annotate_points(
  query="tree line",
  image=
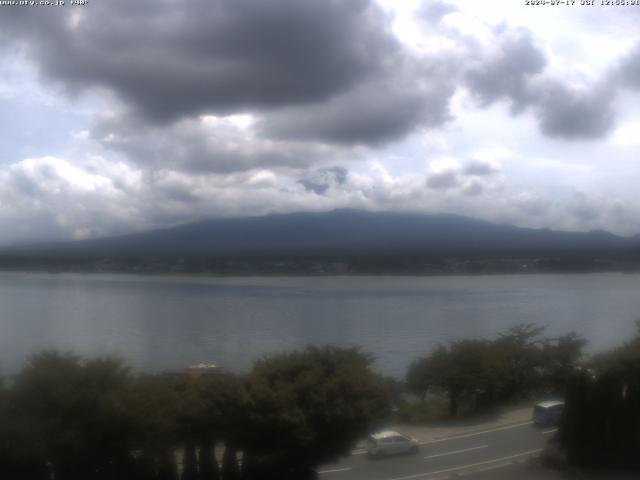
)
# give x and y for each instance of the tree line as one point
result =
(64, 417)
(483, 373)
(67, 418)
(600, 425)
(601, 422)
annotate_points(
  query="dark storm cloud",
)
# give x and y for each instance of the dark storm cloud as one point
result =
(172, 58)
(329, 71)
(473, 188)
(203, 145)
(357, 118)
(514, 72)
(506, 72)
(573, 113)
(630, 68)
(531, 205)
(442, 180)
(480, 168)
(582, 208)
(378, 111)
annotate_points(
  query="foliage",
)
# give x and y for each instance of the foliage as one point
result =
(230, 468)
(72, 418)
(422, 374)
(522, 357)
(68, 418)
(434, 407)
(601, 423)
(560, 356)
(624, 355)
(485, 372)
(208, 467)
(307, 408)
(465, 367)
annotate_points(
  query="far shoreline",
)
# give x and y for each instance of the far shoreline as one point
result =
(169, 275)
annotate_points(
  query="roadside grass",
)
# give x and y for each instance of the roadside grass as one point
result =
(423, 411)
(435, 408)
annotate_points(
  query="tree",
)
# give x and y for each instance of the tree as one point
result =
(488, 371)
(308, 408)
(601, 422)
(465, 367)
(560, 357)
(576, 427)
(619, 357)
(73, 414)
(230, 469)
(189, 462)
(175, 412)
(220, 416)
(192, 426)
(522, 357)
(207, 463)
(21, 455)
(154, 405)
(423, 373)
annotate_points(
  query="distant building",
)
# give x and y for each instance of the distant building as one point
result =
(194, 372)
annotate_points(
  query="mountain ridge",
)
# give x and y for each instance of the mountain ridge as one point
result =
(340, 234)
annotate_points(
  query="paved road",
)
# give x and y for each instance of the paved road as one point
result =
(483, 451)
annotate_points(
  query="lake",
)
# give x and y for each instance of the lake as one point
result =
(156, 322)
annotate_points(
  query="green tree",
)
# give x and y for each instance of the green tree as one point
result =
(623, 356)
(423, 373)
(308, 408)
(72, 412)
(520, 348)
(218, 414)
(154, 405)
(230, 469)
(207, 463)
(601, 422)
(560, 357)
(189, 461)
(576, 430)
(464, 368)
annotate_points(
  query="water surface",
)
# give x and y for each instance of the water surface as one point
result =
(165, 322)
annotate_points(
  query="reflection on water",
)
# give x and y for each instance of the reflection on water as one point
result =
(163, 322)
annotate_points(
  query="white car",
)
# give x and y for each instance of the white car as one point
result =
(390, 443)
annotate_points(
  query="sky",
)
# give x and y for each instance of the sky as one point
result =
(120, 116)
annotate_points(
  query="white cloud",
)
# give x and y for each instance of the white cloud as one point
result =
(404, 131)
(627, 135)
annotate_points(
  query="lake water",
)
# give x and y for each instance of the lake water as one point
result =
(165, 322)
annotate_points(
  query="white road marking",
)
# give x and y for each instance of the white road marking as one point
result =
(547, 432)
(334, 470)
(455, 451)
(362, 451)
(474, 434)
(493, 466)
(471, 465)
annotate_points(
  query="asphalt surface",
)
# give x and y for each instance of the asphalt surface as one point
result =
(487, 453)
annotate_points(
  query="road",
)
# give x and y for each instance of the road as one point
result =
(482, 451)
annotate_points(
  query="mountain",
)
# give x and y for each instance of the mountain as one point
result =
(338, 235)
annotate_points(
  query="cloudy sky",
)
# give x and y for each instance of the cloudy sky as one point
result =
(122, 116)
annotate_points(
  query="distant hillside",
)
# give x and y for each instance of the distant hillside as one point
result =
(336, 235)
